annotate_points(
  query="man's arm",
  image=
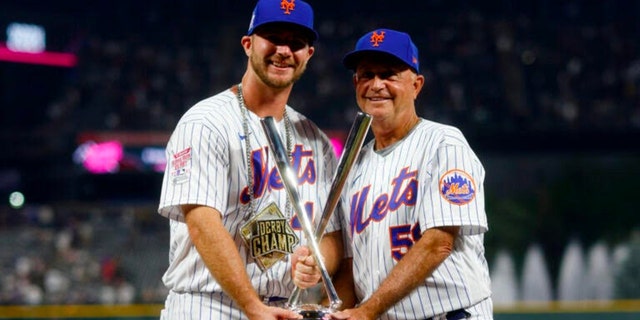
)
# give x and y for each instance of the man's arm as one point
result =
(417, 264)
(343, 281)
(332, 250)
(219, 253)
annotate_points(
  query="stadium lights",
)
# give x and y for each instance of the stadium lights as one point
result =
(26, 43)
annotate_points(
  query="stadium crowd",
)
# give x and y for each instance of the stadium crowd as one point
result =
(80, 254)
(568, 67)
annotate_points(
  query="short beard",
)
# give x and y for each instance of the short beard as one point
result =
(260, 68)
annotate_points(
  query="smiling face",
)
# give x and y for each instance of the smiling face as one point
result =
(386, 88)
(278, 54)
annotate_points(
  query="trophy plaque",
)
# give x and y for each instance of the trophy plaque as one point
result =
(269, 236)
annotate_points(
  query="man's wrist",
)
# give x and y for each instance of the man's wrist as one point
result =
(371, 308)
(249, 302)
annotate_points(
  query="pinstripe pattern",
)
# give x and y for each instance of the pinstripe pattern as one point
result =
(215, 176)
(380, 205)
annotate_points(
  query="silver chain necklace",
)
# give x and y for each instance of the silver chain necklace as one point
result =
(247, 149)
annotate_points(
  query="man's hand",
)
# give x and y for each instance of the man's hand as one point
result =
(264, 312)
(304, 269)
(351, 314)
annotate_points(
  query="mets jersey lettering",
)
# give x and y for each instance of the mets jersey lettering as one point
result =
(264, 179)
(268, 180)
(405, 188)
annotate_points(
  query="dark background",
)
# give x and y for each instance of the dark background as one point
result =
(547, 93)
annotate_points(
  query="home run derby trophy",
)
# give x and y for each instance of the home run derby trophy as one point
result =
(352, 148)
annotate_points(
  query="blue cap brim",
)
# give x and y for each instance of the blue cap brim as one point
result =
(312, 34)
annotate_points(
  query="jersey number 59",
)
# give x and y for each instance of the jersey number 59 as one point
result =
(402, 238)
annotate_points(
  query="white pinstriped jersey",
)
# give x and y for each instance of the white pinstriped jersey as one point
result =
(206, 165)
(428, 179)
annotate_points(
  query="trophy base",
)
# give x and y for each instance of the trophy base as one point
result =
(313, 312)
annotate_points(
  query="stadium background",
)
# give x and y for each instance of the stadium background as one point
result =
(545, 91)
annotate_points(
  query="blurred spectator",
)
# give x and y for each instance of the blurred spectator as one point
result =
(55, 258)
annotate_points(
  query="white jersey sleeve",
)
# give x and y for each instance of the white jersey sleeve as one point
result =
(196, 159)
(452, 181)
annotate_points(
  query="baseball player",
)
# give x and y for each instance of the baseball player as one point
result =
(232, 228)
(414, 202)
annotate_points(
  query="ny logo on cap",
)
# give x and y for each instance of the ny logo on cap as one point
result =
(377, 38)
(287, 6)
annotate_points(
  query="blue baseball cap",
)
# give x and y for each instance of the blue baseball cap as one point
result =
(387, 41)
(296, 12)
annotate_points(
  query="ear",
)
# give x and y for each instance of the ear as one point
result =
(246, 42)
(311, 50)
(418, 83)
(354, 79)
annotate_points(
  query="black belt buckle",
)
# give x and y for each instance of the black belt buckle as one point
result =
(457, 314)
(273, 299)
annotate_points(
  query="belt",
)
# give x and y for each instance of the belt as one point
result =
(273, 299)
(455, 315)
